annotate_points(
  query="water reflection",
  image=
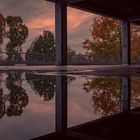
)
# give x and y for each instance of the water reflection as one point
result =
(42, 99)
(21, 95)
(135, 92)
(2, 103)
(105, 99)
(13, 102)
(106, 94)
(44, 86)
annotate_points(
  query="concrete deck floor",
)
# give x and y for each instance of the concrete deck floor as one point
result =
(71, 67)
(122, 126)
(80, 69)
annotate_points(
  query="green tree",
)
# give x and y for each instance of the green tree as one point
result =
(105, 39)
(71, 51)
(17, 33)
(2, 28)
(42, 45)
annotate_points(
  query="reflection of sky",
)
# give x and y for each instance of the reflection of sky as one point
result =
(79, 107)
(38, 15)
(37, 119)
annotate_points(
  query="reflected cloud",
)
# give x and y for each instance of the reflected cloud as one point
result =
(36, 116)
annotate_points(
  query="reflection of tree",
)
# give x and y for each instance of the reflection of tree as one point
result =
(105, 94)
(44, 86)
(2, 103)
(18, 99)
(13, 78)
(12, 104)
(135, 92)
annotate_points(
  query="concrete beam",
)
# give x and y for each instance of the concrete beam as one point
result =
(126, 52)
(61, 32)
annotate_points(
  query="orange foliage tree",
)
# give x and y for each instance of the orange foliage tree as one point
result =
(105, 40)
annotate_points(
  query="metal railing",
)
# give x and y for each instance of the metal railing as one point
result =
(13, 58)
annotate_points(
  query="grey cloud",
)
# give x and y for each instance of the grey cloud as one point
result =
(75, 39)
(31, 10)
(27, 9)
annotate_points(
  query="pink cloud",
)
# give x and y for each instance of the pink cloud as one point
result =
(76, 18)
(41, 22)
(78, 25)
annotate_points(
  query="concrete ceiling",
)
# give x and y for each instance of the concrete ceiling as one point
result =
(120, 9)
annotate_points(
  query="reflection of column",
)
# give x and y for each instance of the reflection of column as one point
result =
(61, 104)
(125, 42)
(126, 89)
(61, 32)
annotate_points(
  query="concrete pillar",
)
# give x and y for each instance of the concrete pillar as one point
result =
(126, 54)
(61, 32)
(61, 104)
(126, 90)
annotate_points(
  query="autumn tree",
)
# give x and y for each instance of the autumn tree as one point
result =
(105, 39)
(135, 41)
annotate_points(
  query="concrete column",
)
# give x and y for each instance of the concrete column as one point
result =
(126, 90)
(61, 104)
(126, 54)
(61, 32)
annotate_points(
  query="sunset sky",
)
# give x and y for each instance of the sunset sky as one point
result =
(38, 15)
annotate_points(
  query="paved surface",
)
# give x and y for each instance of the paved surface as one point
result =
(73, 67)
(99, 70)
